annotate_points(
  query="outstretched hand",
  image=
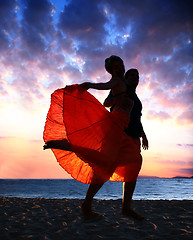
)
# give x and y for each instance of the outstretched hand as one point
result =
(85, 85)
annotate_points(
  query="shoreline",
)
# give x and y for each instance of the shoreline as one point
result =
(40, 218)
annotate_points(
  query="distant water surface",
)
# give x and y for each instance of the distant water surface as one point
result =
(146, 189)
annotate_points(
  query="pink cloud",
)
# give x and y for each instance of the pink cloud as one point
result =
(158, 115)
(185, 118)
(175, 162)
(37, 46)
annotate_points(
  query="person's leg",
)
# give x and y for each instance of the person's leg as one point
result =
(128, 190)
(58, 144)
(93, 188)
(87, 204)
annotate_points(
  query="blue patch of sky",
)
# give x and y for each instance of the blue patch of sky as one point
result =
(187, 69)
(70, 59)
(157, 59)
(20, 9)
(114, 36)
(9, 80)
(76, 44)
(59, 5)
(167, 58)
(11, 35)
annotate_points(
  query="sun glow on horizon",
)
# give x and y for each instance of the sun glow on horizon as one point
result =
(38, 57)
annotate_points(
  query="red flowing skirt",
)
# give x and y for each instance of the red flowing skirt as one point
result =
(101, 149)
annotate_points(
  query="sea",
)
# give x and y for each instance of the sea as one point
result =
(146, 189)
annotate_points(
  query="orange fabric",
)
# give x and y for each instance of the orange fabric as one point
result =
(101, 149)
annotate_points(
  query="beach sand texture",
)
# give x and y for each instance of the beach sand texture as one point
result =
(39, 218)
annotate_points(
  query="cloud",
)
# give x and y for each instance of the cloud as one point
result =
(37, 30)
(84, 22)
(186, 170)
(185, 118)
(3, 90)
(43, 48)
(185, 145)
(158, 115)
(175, 162)
(8, 23)
(7, 137)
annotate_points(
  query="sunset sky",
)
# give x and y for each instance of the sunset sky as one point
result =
(45, 45)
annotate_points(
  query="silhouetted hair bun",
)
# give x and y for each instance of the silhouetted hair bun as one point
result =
(109, 61)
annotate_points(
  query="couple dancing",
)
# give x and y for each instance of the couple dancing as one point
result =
(93, 144)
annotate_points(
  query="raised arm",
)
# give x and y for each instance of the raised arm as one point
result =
(101, 86)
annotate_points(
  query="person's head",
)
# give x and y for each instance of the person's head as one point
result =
(132, 77)
(115, 66)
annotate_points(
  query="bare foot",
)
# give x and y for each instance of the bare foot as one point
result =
(86, 210)
(88, 214)
(131, 213)
(58, 144)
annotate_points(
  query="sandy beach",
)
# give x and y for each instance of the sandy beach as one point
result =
(39, 218)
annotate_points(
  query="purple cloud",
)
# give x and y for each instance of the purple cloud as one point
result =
(185, 117)
(175, 162)
(8, 23)
(185, 145)
(186, 170)
(83, 21)
(36, 38)
(158, 115)
(37, 30)
(3, 90)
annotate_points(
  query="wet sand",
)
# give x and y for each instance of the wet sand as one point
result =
(44, 219)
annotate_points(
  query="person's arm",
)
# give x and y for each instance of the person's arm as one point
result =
(145, 143)
(109, 101)
(101, 86)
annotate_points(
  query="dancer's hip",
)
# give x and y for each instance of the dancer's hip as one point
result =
(121, 118)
